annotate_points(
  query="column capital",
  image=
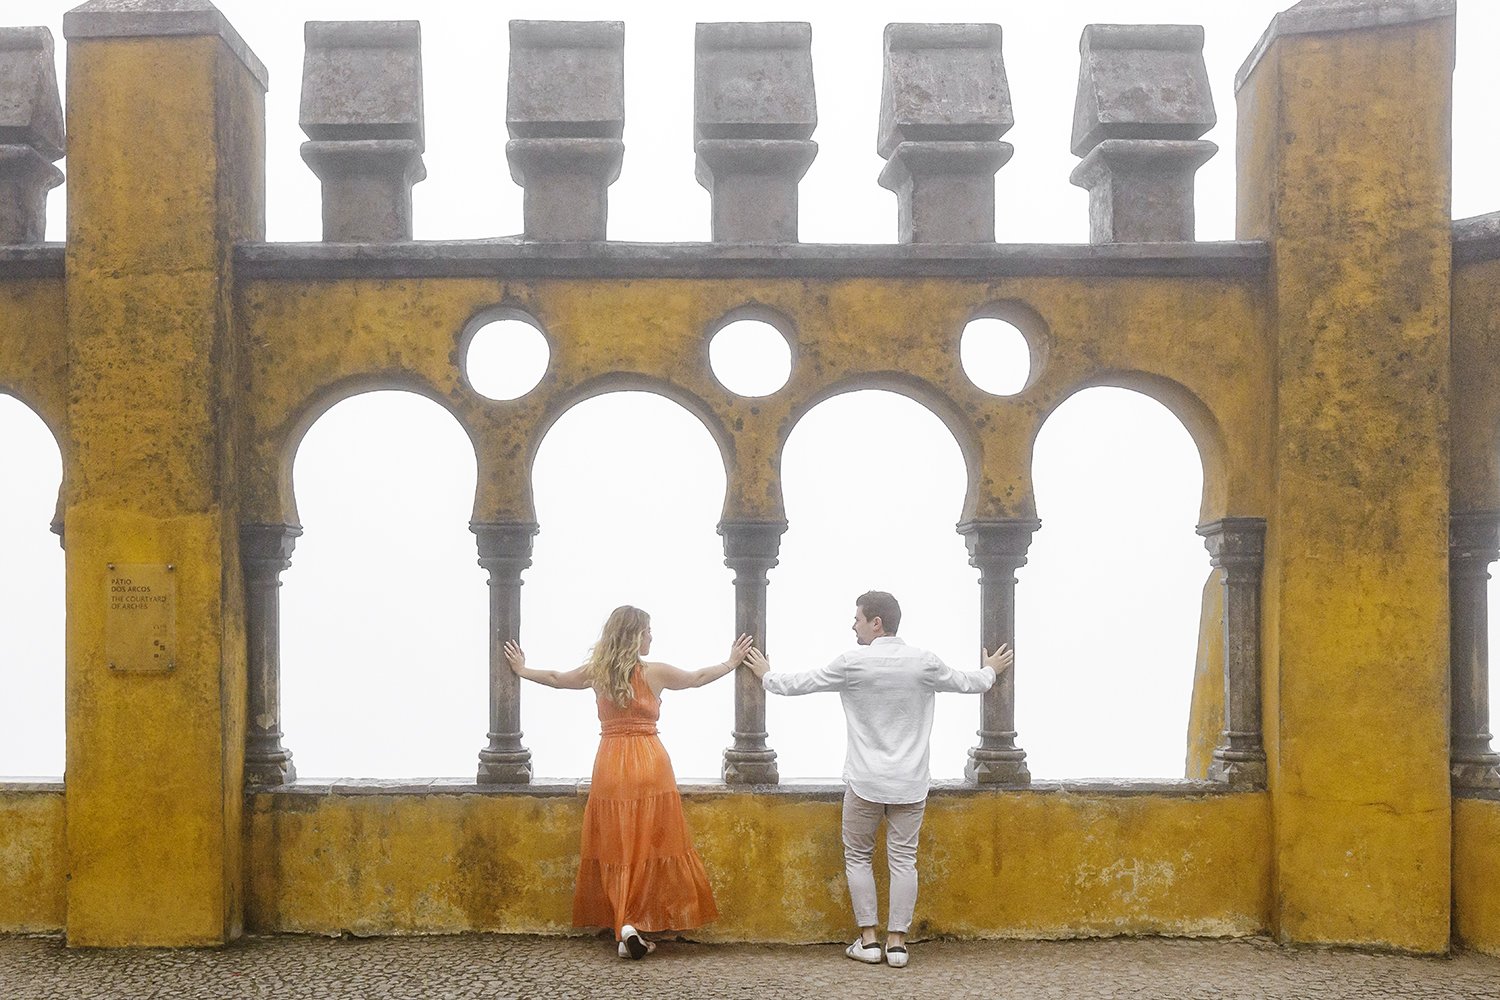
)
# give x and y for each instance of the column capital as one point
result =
(268, 547)
(751, 544)
(996, 543)
(1235, 543)
(504, 545)
(1474, 535)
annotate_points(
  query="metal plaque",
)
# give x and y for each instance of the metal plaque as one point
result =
(140, 617)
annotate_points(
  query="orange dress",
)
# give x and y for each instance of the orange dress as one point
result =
(637, 864)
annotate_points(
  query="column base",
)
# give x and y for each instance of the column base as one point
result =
(271, 769)
(1481, 773)
(1004, 768)
(750, 767)
(1238, 773)
(504, 767)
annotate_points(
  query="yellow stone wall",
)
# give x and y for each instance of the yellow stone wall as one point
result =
(1476, 873)
(1344, 170)
(33, 860)
(1326, 389)
(1196, 344)
(1009, 864)
(165, 158)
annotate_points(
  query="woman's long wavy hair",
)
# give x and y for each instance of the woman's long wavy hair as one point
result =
(615, 656)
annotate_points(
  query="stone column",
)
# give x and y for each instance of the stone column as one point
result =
(944, 104)
(1236, 545)
(265, 551)
(565, 110)
(997, 548)
(754, 111)
(504, 551)
(1473, 543)
(750, 549)
(362, 112)
(1143, 101)
(31, 132)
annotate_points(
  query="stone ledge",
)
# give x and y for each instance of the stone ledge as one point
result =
(815, 789)
(32, 260)
(1317, 16)
(1476, 239)
(512, 258)
(30, 785)
(159, 19)
(1482, 794)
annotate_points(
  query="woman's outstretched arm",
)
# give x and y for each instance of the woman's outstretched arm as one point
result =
(572, 680)
(665, 677)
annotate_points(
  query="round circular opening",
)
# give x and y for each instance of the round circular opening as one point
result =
(995, 356)
(506, 359)
(750, 358)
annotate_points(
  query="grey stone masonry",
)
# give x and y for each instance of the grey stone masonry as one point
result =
(997, 548)
(1236, 545)
(750, 549)
(565, 110)
(265, 552)
(1473, 543)
(1143, 102)
(31, 132)
(505, 552)
(754, 111)
(944, 104)
(362, 112)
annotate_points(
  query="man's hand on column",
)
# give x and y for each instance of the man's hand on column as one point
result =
(1000, 659)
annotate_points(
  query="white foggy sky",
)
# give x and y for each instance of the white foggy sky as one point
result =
(384, 670)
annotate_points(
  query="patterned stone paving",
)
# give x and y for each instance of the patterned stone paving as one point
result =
(487, 966)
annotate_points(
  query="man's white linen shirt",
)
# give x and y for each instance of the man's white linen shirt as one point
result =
(887, 689)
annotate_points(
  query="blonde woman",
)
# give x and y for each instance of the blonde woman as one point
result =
(637, 869)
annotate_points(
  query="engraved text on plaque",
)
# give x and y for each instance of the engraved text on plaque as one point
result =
(140, 617)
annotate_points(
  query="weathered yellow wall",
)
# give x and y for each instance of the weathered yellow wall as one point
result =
(1019, 864)
(1197, 344)
(33, 860)
(1345, 171)
(1476, 874)
(164, 154)
(34, 347)
(1319, 396)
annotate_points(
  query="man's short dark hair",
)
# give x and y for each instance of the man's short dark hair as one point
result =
(875, 604)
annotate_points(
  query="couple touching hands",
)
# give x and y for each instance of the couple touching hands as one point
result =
(638, 871)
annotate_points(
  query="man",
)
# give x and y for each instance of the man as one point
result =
(886, 687)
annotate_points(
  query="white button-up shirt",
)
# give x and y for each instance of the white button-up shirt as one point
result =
(887, 690)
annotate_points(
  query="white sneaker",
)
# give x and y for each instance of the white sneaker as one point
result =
(861, 952)
(632, 945)
(895, 956)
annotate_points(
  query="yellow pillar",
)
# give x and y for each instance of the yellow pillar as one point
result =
(165, 109)
(1344, 113)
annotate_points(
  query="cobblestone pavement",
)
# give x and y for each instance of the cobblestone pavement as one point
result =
(302, 968)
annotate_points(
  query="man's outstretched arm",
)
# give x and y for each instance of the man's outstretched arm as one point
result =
(829, 678)
(944, 678)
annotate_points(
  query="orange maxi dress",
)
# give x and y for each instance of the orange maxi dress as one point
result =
(637, 864)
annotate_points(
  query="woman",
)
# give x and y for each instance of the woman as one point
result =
(637, 869)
